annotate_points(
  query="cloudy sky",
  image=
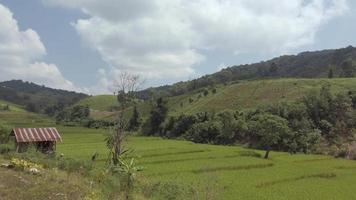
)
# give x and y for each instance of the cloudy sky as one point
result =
(82, 45)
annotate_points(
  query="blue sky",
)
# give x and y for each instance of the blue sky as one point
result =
(83, 45)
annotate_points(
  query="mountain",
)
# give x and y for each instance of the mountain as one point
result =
(36, 98)
(317, 64)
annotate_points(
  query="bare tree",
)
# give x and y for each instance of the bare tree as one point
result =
(126, 85)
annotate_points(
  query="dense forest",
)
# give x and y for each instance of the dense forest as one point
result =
(36, 98)
(317, 64)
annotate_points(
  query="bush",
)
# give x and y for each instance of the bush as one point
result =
(204, 132)
(4, 135)
(213, 90)
(5, 148)
(205, 92)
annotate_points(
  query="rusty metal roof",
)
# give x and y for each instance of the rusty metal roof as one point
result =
(36, 134)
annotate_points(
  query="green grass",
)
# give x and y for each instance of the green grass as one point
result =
(13, 107)
(100, 102)
(243, 95)
(237, 174)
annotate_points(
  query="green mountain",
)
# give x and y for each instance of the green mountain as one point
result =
(317, 64)
(36, 98)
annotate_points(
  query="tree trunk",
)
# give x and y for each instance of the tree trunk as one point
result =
(267, 154)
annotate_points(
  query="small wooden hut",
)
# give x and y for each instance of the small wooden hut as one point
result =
(44, 139)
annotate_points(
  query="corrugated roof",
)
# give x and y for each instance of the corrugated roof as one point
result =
(36, 134)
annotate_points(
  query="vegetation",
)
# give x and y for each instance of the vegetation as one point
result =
(74, 114)
(135, 120)
(243, 95)
(250, 118)
(37, 98)
(157, 116)
(304, 65)
(179, 169)
(270, 132)
(293, 127)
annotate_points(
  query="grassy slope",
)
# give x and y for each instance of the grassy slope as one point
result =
(251, 94)
(100, 102)
(243, 95)
(51, 184)
(13, 107)
(229, 173)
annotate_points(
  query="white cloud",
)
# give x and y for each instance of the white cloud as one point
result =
(20, 55)
(167, 38)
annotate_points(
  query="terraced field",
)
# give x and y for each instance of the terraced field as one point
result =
(231, 172)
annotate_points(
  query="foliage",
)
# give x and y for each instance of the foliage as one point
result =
(36, 98)
(348, 68)
(135, 121)
(4, 134)
(303, 65)
(129, 168)
(5, 107)
(204, 132)
(74, 114)
(269, 132)
(24, 164)
(158, 115)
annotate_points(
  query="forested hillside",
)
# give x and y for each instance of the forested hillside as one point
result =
(36, 98)
(317, 64)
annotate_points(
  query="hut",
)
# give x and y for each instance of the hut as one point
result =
(44, 139)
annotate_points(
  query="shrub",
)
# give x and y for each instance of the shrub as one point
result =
(4, 134)
(205, 92)
(5, 148)
(22, 164)
(204, 132)
(213, 90)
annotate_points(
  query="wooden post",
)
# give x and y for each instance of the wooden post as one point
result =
(17, 147)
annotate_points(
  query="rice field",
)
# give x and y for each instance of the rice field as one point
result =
(225, 172)
(232, 172)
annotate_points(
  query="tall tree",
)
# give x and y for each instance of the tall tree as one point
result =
(331, 73)
(135, 120)
(157, 116)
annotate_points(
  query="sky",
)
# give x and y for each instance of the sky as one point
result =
(83, 45)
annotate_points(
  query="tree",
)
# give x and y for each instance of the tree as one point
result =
(348, 69)
(273, 69)
(331, 73)
(126, 85)
(79, 112)
(4, 134)
(205, 92)
(157, 116)
(269, 131)
(234, 127)
(204, 132)
(135, 120)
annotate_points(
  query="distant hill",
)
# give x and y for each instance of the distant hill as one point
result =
(315, 64)
(241, 95)
(36, 98)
